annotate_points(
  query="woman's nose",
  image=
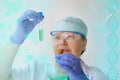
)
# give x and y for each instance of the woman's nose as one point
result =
(63, 42)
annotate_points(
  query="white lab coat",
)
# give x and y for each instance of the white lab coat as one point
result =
(33, 70)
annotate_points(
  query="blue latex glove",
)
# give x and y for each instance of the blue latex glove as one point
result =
(71, 65)
(25, 25)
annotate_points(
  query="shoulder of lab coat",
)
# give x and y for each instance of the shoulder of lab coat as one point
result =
(93, 73)
(30, 70)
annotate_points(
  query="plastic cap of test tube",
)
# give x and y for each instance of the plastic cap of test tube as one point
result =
(40, 13)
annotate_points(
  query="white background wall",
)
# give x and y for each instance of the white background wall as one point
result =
(92, 12)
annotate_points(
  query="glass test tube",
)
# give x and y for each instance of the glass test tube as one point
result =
(41, 33)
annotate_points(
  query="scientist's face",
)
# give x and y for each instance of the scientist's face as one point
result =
(68, 42)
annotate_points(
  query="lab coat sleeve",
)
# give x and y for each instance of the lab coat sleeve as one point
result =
(97, 74)
(7, 53)
(27, 71)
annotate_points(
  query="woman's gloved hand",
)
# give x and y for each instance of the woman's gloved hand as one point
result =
(71, 65)
(25, 25)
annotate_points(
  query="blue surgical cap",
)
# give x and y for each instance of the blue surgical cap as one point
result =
(70, 24)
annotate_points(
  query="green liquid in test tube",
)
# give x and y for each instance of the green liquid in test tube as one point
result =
(41, 32)
(58, 77)
(41, 35)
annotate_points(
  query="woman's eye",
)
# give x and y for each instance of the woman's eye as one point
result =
(57, 37)
(70, 37)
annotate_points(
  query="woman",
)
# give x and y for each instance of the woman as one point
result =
(69, 41)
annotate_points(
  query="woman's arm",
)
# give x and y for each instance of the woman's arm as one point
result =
(7, 54)
(25, 25)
